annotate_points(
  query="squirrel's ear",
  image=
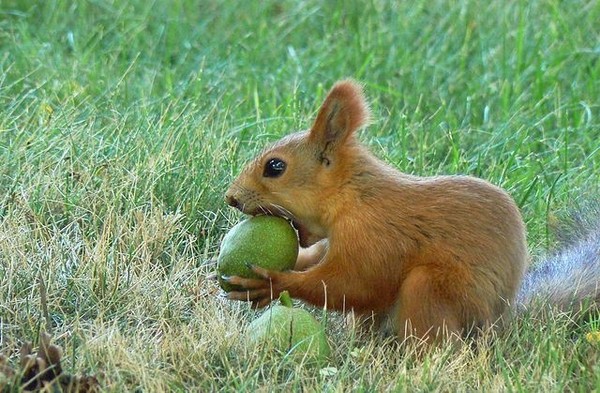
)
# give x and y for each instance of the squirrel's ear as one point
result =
(343, 112)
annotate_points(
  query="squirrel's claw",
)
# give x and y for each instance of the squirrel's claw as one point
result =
(258, 297)
(247, 283)
(259, 291)
(264, 273)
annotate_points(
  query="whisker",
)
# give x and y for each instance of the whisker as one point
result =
(285, 212)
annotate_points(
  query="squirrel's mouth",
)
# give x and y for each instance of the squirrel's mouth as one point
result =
(304, 235)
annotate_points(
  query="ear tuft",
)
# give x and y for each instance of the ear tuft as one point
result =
(343, 112)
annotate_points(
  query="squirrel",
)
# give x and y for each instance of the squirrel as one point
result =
(429, 257)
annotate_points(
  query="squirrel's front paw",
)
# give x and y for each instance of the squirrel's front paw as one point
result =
(259, 291)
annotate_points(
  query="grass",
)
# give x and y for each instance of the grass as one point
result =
(122, 123)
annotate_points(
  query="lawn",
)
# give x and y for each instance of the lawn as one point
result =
(123, 122)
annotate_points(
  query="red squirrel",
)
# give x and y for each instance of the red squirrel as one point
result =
(433, 256)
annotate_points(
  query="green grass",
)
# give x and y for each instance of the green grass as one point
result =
(122, 123)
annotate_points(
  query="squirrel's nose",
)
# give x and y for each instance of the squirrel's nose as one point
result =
(232, 201)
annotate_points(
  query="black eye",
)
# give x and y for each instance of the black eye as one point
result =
(274, 168)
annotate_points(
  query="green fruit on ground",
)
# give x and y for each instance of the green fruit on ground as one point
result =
(292, 331)
(266, 241)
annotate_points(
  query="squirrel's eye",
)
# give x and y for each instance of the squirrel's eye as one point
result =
(274, 168)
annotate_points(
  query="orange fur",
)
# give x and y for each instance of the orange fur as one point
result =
(434, 254)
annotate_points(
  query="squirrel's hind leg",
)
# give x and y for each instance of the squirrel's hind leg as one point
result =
(424, 310)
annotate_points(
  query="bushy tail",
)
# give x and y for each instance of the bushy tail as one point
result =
(570, 278)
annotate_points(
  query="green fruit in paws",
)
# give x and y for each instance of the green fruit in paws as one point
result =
(266, 241)
(293, 331)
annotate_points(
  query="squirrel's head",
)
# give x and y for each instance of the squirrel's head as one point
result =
(301, 176)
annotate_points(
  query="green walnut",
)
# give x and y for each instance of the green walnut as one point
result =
(293, 331)
(266, 241)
